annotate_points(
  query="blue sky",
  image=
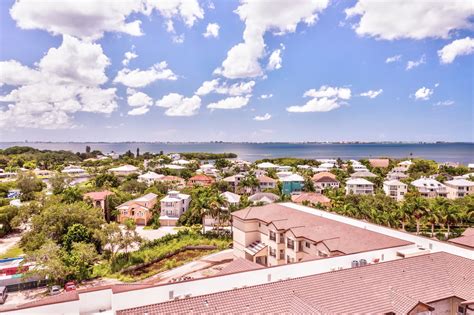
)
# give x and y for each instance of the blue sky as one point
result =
(63, 76)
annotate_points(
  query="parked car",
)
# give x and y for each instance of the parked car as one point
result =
(55, 289)
(70, 286)
(3, 294)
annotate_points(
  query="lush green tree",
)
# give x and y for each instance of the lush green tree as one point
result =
(308, 184)
(71, 195)
(422, 168)
(59, 182)
(28, 184)
(7, 215)
(418, 208)
(50, 257)
(111, 238)
(106, 180)
(133, 186)
(76, 233)
(80, 260)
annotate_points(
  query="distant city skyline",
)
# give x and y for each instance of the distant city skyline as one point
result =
(189, 70)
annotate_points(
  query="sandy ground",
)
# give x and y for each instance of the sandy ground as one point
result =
(9, 241)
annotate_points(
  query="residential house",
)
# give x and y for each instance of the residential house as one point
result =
(470, 166)
(311, 198)
(397, 173)
(466, 239)
(429, 187)
(292, 183)
(363, 174)
(174, 181)
(263, 198)
(181, 162)
(150, 178)
(231, 198)
(381, 163)
(172, 207)
(359, 167)
(359, 186)
(200, 180)
(395, 189)
(265, 182)
(405, 164)
(324, 180)
(139, 210)
(124, 170)
(174, 167)
(458, 188)
(234, 181)
(72, 170)
(276, 234)
(98, 198)
(267, 166)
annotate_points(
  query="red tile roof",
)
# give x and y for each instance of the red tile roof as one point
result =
(335, 235)
(324, 177)
(467, 241)
(266, 179)
(393, 286)
(98, 195)
(379, 162)
(311, 197)
(239, 265)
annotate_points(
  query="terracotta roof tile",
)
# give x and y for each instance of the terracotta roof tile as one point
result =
(239, 265)
(377, 288)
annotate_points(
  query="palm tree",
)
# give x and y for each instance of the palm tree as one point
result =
(435, 211)
(403, 214)
(451, 215)
(418, 207)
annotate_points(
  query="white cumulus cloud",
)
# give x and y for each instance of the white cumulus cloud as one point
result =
(139, 99)
(459, 47)
(215, 86)
(65, 81)
(178, 105)
(129, 55)
(397, 19)
(233, 102)
(274, 62)
(415, 63)
(212, 30)
(266, 96)
(137, 111)
(261, 16)
(323, 100)
(444, 103)
(140, 78)
(393, 59)
(90, 19)
(423, 93)
(267, 116)
(372, 93)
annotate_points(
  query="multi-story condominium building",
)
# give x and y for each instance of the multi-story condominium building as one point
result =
(139, 209)
(359, 186)
(458, 188)
(429, 187)
(276, 234)
(395, 189)
(124, 170)
(324, 180)
(173, 206)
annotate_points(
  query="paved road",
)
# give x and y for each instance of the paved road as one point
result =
(154, 234)
(8, 242)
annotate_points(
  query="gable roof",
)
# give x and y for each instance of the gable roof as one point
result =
(324, 177)
(379, 162)
(389, 287)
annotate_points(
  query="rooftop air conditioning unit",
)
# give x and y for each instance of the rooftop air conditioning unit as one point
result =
(355, 263)
(362, 262)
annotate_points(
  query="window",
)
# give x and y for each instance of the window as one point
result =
(282, 238)
(272, 252)
(290, 244)
(282, 254)
(308, 245)
(300, 246)
(272, 236)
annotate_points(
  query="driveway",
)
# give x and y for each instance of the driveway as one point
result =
(151, 235)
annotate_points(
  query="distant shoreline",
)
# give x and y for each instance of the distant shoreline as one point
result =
(242, 142)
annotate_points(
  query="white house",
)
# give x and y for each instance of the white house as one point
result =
(74, 171)
(267, 165)
(405, 164)
(429, 187)
(232, 199)
(470, 166)
(124, 170)
(458, 188)
(181, 162)
(359, 186)
(174, 167)
(173, 206)
(150, 177)
(395, 189)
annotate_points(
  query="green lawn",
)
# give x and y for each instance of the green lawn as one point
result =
(14, 251)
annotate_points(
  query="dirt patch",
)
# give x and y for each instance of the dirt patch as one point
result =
(168, 263)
